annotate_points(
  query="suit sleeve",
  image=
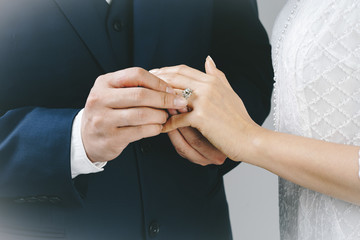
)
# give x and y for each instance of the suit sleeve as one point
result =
(242, 51)
(35, 156)
(46, 73)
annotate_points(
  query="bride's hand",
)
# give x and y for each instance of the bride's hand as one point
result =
(216, 110)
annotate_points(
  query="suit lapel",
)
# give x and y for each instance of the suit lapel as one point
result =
(91, 29)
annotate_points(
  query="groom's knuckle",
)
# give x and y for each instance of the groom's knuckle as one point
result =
(141, 115)
(138, 72)
(139, 95)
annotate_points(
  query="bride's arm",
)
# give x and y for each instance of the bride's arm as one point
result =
(219, 114)
(325, 167)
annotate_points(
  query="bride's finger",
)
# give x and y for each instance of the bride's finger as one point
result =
(172, 111)
(177, 121)
(183, 110)
(183, 70)
(178, 81)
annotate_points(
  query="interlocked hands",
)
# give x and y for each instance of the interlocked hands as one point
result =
(132, 104)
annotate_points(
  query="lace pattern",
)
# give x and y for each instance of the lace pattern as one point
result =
(317, 71)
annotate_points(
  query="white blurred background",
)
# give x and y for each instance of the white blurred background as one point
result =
(252, 192)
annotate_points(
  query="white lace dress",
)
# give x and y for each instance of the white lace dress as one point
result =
(316, 55)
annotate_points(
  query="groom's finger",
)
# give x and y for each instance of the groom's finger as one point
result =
(198, 142)
(135, 77)
(184, 149)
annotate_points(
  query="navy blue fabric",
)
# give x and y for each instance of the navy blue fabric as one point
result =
(51, 52)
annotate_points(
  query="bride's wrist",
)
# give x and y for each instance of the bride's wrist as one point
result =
(258, 139)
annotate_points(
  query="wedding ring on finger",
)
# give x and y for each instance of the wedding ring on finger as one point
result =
(187, 93)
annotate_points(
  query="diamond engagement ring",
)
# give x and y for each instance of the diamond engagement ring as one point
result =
(187, 93)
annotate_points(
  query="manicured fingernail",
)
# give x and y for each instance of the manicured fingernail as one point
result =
(170, 90)
(153, 71)
(180, 102)
(211, 61)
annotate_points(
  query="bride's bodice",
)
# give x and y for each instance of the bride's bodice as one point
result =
(316, 57)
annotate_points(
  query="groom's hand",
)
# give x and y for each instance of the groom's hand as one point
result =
(123, 107)
(192, 145)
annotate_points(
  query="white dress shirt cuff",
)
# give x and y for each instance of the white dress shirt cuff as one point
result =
(80, 163)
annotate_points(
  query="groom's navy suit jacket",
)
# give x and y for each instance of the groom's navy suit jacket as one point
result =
(52, 51)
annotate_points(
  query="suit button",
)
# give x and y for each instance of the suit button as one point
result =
(117, 26)
(154, 229)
